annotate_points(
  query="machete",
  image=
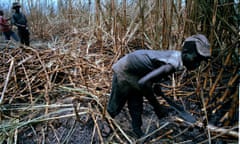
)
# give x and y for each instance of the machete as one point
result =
(180, 110)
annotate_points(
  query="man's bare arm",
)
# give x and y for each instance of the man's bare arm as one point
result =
(161, 71)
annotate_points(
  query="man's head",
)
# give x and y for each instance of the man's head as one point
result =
(16, 5)
(195, 49)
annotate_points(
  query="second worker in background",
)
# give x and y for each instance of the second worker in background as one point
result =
(20, 21)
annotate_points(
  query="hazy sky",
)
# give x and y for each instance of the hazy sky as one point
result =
(6, 4)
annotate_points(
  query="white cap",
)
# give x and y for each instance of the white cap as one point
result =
(202, 44)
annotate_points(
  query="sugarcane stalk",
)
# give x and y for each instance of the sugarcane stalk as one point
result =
(7, 80)
(220, 74)
(227, 91)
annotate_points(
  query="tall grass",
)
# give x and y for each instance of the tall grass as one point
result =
(157, 24)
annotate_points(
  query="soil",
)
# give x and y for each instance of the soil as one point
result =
(71, 131)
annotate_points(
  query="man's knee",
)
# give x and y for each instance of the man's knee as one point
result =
(135, 102)
(115, 104)
(112, 106)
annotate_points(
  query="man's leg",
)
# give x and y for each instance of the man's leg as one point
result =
(118, 97)
(21, 36)
(6, 35)
(26, 37)
(135, 106)
(14, 36)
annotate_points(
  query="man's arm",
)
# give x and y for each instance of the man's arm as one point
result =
(146, 82)
(161, 71)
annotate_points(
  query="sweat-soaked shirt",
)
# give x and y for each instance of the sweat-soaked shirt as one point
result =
(130, 68)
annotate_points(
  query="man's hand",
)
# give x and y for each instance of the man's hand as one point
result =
(20, 25)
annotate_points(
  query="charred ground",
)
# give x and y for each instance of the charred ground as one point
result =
(59, 96)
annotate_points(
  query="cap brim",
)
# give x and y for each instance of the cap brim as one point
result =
(203, 50)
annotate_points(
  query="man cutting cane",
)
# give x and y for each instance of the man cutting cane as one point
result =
(135, 74)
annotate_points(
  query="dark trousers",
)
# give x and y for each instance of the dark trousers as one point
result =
(23, 34)
(122, 92)
(9, 34)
